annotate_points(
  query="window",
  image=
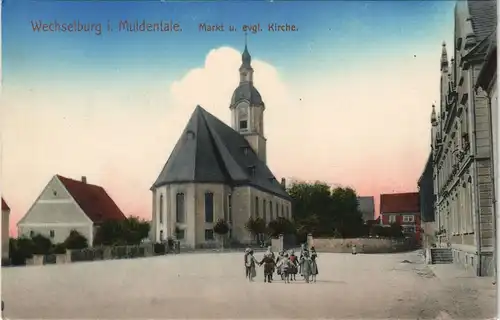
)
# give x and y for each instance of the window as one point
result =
(256, 207)
(392, 218)
(209, 234)
(271, 218)
(408, 218)
(32, 233)
(243, 124)
(251, 171)
(287, 213)
(229, 209)
(161, 209)
(52, 233)
(179, 207)
(277, 209)
(161, 235)
(209, 207)
(282, 210)
(264, 210)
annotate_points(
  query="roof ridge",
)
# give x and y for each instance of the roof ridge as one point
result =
(215, 145)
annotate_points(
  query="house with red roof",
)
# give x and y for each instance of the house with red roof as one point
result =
(66, 204)
(403, 209)
(5, 229)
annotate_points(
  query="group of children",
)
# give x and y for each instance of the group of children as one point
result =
(287, 265)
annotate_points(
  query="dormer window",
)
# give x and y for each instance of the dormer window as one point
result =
(251, 171)
(245, 150)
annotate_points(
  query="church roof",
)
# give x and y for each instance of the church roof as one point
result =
(209, 151)
(246, 91)
(483, 14)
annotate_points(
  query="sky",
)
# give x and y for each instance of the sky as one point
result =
(348, 94)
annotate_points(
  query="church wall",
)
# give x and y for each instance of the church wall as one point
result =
(284, 205)
(220, 193)
(242, 208)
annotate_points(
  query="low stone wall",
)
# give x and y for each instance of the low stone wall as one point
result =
(363, 245)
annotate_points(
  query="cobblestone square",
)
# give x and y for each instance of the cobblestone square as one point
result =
(212, 285)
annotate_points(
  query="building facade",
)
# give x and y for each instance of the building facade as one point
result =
(427, 199)
(5, 229)
(65, 205)
(402, 209)
(462, 142)
(487, 81)
(219, 172)
(367, 207)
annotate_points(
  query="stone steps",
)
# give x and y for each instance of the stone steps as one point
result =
(441, 256)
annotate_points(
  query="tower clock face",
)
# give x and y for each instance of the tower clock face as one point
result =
(244, 73)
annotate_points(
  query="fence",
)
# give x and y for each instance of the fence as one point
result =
(363, 245)
(103, 253)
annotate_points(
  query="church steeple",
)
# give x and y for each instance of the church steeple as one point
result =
(433, 115)
(444, 58)
(246, 70)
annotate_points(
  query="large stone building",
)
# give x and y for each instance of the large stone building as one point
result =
(427, 199)
(65, 205)
(219, 172)
(487, 81)
(462, 142)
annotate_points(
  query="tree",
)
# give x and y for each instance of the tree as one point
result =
(41, 244)
(20, 249)
(256, 226)
(221, 228)
(323, 211)
(75, 241)
(130, 231)
(135, 229)
(279, 226)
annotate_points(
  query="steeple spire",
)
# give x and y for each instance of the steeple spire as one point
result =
(246, 59)
(444, 57)
(433, 115)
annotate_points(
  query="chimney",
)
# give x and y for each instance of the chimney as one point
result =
(283, 183)
(84, 179)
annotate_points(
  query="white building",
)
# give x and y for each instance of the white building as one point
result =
(219, 172)
(462, 142)
(65, 205)
(5, 229)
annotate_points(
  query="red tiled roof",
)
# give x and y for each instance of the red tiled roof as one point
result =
(400, 202)
(5, 206)
(93, 200)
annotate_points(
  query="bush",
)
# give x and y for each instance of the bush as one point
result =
(41, 244)
(76, 241)
(20, 249)
(59, 248)
(221, 227)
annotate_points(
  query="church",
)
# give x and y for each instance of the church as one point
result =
(216, 171)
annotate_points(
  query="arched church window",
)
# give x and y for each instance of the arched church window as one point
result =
(243, 118)
(179, 208)
(161, 235)
(161, 209)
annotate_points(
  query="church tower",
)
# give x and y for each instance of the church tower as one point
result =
(247, 108)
